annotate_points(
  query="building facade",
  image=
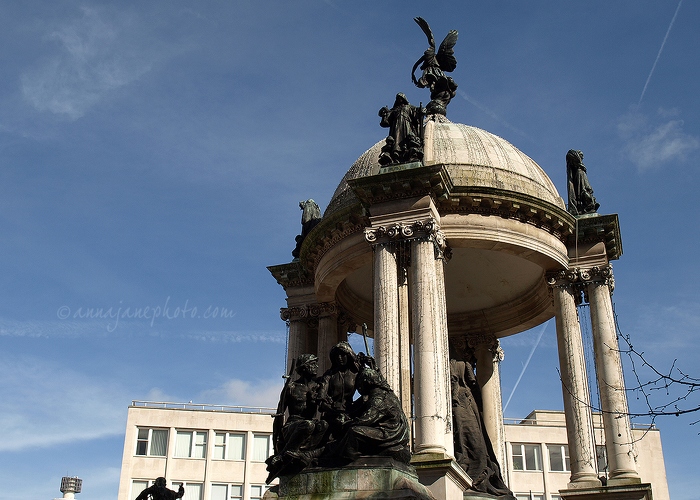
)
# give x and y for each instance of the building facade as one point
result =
(219, 452)
(216, 452)
(538, 463)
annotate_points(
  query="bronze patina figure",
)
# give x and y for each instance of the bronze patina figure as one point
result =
(300, 440)
(161, 492)
(338, 388)
(434, 65)
(473, 449)
(581, 199)
(310, 216)
(378, 426)
(404, 144)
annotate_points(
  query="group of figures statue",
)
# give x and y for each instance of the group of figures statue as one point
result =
(404, 144)
(325, 426)
(581, 199)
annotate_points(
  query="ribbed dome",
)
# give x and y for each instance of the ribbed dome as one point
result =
(473, 157)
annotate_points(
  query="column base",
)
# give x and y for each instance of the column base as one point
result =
(443, 477)
(586, 480)
(627, 492)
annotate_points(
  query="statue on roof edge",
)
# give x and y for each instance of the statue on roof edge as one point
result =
(434, 65)
(581, 199)
(404, 144)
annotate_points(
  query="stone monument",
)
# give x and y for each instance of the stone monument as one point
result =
(468, 243)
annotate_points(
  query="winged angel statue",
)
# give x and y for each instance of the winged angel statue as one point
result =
(442, 87)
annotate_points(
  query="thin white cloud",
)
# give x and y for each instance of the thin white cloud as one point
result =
(649, 145)
(44, 404)
(262, 393)
(94, 57)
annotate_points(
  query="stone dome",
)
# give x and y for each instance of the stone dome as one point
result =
(473, 158)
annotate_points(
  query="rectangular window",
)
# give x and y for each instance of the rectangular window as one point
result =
(190, 444)
(235, 492)
(529, 496)
(229, 446)
(257, 491)
(602, 457)
(236, 446)
(152, 442)
(193, 491)
(526, 457)
(137, 487)
(261, 447)
(219, 492)
(559, 458)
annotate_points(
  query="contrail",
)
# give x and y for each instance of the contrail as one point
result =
(492, 114)
(660, 50)
(539, 337)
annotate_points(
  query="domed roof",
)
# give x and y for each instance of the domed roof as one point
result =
(473, 158)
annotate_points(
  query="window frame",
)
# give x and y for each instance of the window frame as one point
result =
(229, 492)
(193, 443)
(227, 446)
(149, 441)
(175, 484)
(523, 456)
(269, 446)
(564, 455)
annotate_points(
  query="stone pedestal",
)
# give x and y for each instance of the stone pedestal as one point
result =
(374, 478)
(625, 492)
(441, 475)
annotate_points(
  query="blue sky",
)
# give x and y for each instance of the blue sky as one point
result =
(153, 154)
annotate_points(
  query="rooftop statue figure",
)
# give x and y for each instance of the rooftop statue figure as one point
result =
(310, 216)
(161, 492)
(442, 87)
(581, 199)
(404, 143)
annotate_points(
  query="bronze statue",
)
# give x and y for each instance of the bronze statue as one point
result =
(378, 427)
(581, 199)
(442, 87)
(160, 492)
(338, 387)
(300, 440)
(404, 144)
(473, 449)
(310, 217)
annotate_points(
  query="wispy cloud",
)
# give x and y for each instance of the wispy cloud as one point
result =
(648, 144)
(661, 49)
(263, 393)
(44, 404)
(94, 56)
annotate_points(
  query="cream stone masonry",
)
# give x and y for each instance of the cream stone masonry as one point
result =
(577, 408)
(613, 398)
(386, 318)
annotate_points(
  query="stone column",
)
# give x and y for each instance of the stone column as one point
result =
(613, 399)
(327, 333)
(296, 344)
(489, 354)
(443, 349)
(386, 314)
(432, 401)
(577, 411)
(405, 340)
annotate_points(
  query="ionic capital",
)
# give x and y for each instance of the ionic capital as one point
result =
(323, 309)
(599, 275)
(294, 313)
(398, 231)
(487, 342)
